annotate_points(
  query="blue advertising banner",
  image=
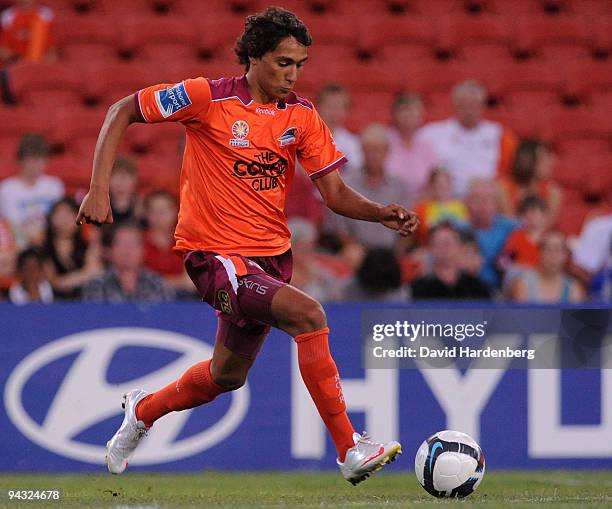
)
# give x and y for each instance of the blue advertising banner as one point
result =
(64, 368)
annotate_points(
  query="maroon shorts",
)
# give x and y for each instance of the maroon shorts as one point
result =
(241, 289)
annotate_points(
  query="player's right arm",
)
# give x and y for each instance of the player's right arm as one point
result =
(178, 102)
(95, 207)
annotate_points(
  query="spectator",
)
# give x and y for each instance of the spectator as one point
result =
(31, 285)
(411, 157)
(71, 260)
(125, 279)
(447, 279)
(490, 228)
(521, 250)
(123, 186)
(530, 175)
(375, 184)
(378, 278)
(468, 146)
(592, 255)
(8, 254)
(27, 32)
(309, 274)
(333, 104)
(439, 205)
(548, 282)
(471, 259)
(160, 210)
(25, 199)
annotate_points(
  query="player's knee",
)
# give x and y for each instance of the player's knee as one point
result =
(312, 317)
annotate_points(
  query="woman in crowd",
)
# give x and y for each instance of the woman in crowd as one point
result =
(549, 282)
(530, 175)
(71, 259)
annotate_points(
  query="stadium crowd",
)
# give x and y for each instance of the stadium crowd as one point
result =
(488, 206)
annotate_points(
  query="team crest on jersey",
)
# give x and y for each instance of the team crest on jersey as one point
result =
(240, 131)
(171, 100)
(289, 137)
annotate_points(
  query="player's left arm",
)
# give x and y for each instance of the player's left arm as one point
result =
(344, 200)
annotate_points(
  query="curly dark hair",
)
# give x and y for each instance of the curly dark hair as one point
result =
(264, 31)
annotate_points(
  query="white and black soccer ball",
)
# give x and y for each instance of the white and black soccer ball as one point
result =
(449, 464)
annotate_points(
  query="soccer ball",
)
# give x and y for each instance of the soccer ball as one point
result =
(449, 464)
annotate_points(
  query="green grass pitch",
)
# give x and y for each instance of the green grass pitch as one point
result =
(553, 489)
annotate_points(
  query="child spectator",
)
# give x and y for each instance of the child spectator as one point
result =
(123, 185)
(439, 205)
(71, 260)
(522, 247)
(31, 285)
(549, 282)
(471, 259)
(530, 175)
(160, 211)
(25, 199)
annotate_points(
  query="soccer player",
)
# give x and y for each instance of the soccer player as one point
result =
(244, 135)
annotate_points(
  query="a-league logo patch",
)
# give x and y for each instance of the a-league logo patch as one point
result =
(240, 131)
(288, 137)
(224, 301)
(171, 100)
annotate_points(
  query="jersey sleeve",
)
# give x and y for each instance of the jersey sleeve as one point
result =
(178, 102)
(317, 151)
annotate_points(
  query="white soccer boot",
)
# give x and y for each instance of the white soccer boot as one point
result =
(367, 457)
(124, 442)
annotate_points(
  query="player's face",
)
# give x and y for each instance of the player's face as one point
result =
(277, 71)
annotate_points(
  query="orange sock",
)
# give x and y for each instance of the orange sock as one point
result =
(322, 380)
(193, 389)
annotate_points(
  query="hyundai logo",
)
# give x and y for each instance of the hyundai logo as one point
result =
(85, 398)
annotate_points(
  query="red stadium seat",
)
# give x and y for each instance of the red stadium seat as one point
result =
(577, 124)
(559, 36)
(369, 107)
(584, 78)
(523, 85)
(164, 139)
(574, 214)
(46, 84)
(107, 83)
(330, 29)
(134, 7)
(435, 78)
(158, 173)
(160, 39)
(466, 35)
(73, 125)
(83, 38)
(380, 31)
(74, 172)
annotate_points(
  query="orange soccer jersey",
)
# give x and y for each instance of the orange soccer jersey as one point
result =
(239, 161)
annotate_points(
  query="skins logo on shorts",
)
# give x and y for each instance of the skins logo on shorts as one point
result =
(171, 100)
(289, 137)
(224, 302)
(240, 131)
